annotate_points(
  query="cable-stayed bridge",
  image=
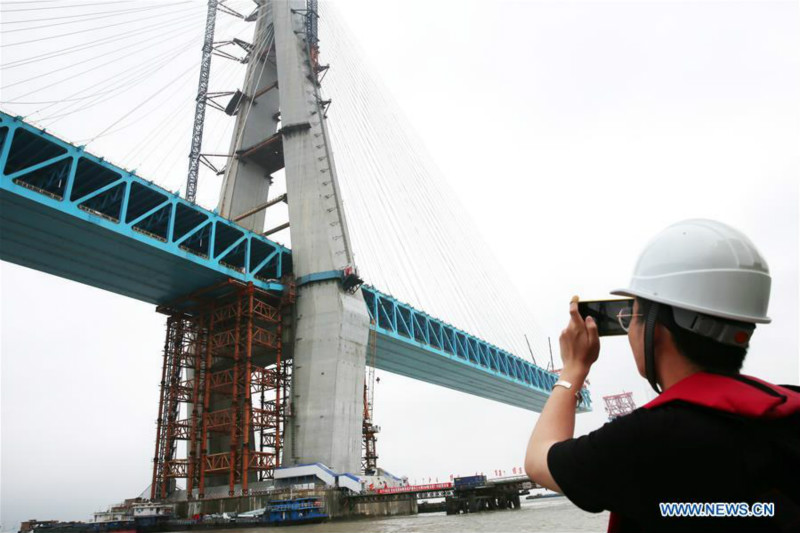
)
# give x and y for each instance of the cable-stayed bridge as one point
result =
(297, 325)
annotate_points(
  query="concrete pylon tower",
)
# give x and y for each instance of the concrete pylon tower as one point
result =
(286, 128)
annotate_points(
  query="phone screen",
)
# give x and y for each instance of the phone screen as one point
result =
(605, 313)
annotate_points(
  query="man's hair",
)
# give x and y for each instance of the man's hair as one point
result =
(707, 353)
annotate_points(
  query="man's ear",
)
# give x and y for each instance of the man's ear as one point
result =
(663, 337)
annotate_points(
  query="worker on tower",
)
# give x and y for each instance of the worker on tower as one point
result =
(724, 443)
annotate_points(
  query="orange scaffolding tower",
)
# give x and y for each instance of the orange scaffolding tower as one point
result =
(224, 345)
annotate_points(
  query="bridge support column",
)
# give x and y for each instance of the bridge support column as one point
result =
(328, 378)
(331, 324)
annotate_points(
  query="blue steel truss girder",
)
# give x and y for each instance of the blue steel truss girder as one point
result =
(75, 215)
(69, 213)
(412, 343)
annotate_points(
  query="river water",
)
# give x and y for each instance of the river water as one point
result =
(550, 515)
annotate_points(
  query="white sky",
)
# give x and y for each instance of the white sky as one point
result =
(552, 121)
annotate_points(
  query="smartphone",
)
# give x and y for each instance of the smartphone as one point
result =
(605, 313)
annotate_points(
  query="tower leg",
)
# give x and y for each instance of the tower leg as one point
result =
(328, 381)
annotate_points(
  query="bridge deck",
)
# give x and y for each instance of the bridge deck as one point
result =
(72, 214)
(413, 344)
(67, 212)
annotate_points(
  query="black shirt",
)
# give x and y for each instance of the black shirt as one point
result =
(682, 453)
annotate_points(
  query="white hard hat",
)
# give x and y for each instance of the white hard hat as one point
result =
(704, 266)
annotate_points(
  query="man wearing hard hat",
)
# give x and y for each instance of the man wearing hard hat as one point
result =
(716, 450)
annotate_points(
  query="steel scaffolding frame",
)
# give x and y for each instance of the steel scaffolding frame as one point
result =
(618, 405)
(223, 344)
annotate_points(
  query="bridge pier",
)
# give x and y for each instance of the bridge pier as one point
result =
(287, 130)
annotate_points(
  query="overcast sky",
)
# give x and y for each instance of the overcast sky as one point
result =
(572, 132)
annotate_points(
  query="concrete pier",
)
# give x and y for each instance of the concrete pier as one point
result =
(282, 124)
(331, 324)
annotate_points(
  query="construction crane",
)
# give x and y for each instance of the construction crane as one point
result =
(369, 457)
(204, 98)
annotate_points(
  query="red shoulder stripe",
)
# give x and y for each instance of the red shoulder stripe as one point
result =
(742, 395)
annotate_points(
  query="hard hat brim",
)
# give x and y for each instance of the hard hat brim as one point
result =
(632, 293)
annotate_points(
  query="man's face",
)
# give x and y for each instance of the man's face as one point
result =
(636, 338)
